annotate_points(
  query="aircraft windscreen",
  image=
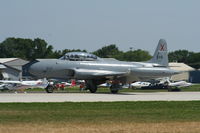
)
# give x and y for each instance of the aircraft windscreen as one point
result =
(79, 56)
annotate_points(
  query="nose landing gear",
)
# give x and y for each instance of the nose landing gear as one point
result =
(115, 87)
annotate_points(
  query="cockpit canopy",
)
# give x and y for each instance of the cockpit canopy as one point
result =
(79, 56)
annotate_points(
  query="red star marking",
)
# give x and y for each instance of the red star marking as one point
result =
(162, 47)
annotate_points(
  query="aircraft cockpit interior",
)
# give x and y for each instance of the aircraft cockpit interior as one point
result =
(79, 56)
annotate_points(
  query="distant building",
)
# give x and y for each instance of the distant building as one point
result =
(11, 68)
(184, 68)
(195, 76)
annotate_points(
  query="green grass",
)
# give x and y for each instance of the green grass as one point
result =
(195, 87)
(99, 112)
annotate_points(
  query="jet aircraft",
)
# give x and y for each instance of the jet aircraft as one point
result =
(95, 70)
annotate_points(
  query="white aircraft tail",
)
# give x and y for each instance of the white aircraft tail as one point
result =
(161, 55)
(44, 83)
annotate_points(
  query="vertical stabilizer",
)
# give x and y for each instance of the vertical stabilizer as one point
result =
(161, 55)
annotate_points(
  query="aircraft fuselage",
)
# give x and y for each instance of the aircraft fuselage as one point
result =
(85, 70)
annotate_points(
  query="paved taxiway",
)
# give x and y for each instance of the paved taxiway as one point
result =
(88, 97)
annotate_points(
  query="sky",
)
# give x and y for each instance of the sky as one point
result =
(92, 24)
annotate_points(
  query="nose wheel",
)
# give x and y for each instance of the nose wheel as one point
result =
(115, 87)
(114, 91)
(49, 89)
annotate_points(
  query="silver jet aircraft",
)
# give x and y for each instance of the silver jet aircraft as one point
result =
(95, 70)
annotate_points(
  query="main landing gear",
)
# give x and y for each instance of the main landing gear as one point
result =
(92, 86)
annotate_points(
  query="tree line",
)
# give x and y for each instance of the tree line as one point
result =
(29, 49)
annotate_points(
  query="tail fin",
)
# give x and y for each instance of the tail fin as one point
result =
(161, 55)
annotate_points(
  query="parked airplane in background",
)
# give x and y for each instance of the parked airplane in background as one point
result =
(2, 85)
(104, 85)
(95, 70)
(166, 84)
(17, 85)
(179, 84)
(140, 84)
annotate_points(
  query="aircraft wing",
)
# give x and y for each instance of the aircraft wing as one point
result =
(1, 86)
(98, 73)
(10, 82)
(180, 84)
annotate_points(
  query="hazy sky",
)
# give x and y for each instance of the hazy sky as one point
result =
(91, 24)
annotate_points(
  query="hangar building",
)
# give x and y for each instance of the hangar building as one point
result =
(11, 68)
(185, 69)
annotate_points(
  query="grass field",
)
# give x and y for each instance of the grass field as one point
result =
(99, 117)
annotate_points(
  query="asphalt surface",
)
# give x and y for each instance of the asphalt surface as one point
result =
(88, 97)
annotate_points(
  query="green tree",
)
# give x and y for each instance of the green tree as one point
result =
(194, 60)
(179, 56)
(185, 56)
(112, 51)
(25, 48)
(136, 55)
(41, 49)
(109, 51)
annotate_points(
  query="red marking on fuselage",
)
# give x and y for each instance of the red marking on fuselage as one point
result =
(162, 47)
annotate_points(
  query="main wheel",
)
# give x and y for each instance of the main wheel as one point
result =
(49, 89)
(114, 88)
(91, 85)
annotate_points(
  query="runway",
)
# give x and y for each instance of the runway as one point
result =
(103, 97)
